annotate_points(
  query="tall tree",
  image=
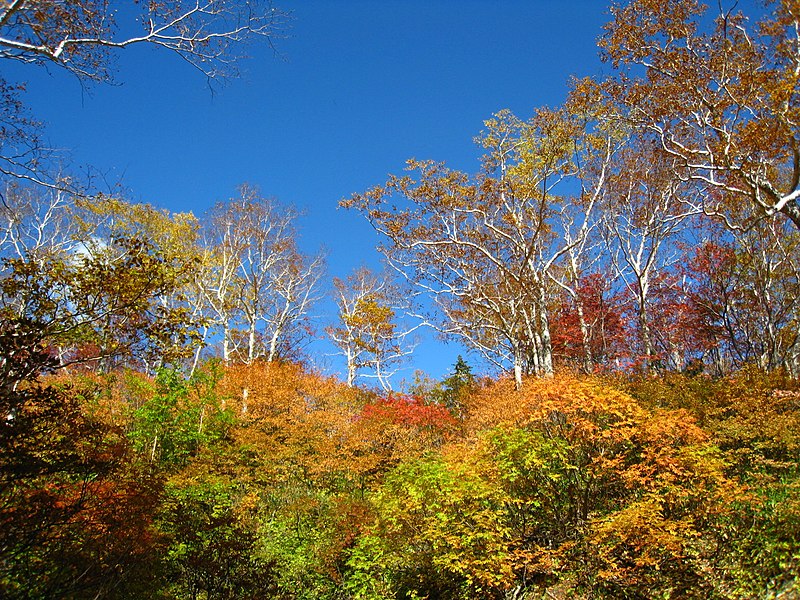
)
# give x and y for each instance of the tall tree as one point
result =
(718, 91)
(595, 153)
(644, 210)
(744, 292)
(485, 247)
(102, 219)
(368, 332)
(265, 230)
(294, 289)
(258, 285)
(222, 247)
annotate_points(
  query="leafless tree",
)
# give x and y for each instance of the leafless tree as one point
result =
(256, 280)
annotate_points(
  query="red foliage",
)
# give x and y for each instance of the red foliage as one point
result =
(711, 268)
(677, 333)
(409, 411)
(602, 313)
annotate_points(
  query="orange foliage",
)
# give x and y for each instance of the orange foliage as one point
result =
(600, 475)
(292, 423)
(289, 422)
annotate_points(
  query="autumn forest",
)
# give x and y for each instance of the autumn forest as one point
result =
(621, 273)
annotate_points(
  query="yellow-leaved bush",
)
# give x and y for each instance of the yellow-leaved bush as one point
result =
(586, 487)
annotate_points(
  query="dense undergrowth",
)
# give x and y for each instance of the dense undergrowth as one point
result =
(269, 481)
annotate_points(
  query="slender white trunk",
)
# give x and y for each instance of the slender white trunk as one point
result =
(226, 343)
(153, 449)
(351, 368)
(547, 344)
(197, 351)
(518, 368)
(273, 346)
(251, 343)
(587, 348)
(644, 330)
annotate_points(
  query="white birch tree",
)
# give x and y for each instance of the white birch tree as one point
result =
(484, 248)
(259, 286)
(716, 86)
(369, 331)
(644, 210)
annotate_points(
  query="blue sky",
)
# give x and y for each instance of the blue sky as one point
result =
(357, 87)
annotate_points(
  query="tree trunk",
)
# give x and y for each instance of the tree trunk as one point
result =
(547, 344)
(517, 368)
(153, 449)
(273, 346)
(251, 342)
(226, 344)
(647, 343)
(644, 326)
(587, 348)
(198, 350)
(351, 368)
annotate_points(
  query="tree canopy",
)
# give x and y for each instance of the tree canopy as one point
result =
(622, 273)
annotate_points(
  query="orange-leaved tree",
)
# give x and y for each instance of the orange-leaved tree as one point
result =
(587, 470)
(716, 89)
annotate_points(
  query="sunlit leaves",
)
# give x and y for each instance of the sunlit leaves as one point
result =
(369, 333)
(485, 247)
(716, 88)
(179, 418)
(438, 531)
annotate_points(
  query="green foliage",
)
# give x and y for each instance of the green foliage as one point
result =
(265, 481)
(180, 417)
(211, 525)
(761, 542)
(454, 388)
(437, 533)
(543, 507)
(298, 535)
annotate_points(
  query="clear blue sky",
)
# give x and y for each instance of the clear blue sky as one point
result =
(356, 89)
